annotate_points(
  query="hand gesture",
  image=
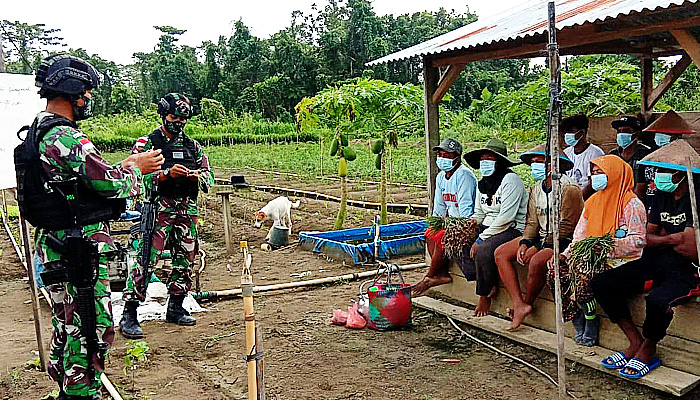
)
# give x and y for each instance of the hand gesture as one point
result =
(178, 171)
(147, 162)
(520, 254)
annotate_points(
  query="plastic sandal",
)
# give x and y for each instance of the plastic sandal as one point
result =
(640, 367)
(614, 361)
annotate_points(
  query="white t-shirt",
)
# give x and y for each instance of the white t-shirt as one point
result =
(454, 197)
(582, 163)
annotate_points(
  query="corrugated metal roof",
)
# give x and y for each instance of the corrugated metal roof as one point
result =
(528, 19)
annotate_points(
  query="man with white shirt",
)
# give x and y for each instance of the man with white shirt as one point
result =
(455, 191)
(580, 151)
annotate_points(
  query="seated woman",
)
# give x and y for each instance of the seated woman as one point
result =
(613, 209)
(455, 190)
(667, 270)
(500, 209)
(534, 248)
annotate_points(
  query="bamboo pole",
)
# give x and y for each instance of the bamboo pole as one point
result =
(260, 362)
(320, 142)
(292, 285)
(553, 147)
(36, 310)
(693, 202)
(249, 314)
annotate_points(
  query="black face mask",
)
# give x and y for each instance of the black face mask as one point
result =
(173, 127)
(84, 112)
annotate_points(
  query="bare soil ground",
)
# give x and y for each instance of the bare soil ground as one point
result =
(305, 356)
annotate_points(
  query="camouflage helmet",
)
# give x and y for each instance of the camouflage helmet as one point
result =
(66, 74)
(176, 104)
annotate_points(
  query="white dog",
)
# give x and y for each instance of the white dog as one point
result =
(279, 211)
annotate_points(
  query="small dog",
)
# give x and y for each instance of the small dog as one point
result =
(279, 211)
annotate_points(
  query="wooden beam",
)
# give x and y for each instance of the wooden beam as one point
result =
(668, 80)
(432, 126)
(447, 80)
(647, 83)
(572, 37)
(689, 43)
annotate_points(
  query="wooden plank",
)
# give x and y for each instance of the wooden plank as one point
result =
(225, 203)
(568, 37)
(672, 76)
(689, 43)
(665, 379)
(676, 351)
(647, 84)
(432, 126)
(446, 82)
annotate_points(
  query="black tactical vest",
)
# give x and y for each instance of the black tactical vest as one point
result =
(183, 153)
(46, 208)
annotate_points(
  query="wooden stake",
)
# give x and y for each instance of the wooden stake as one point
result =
(249, 314)
(260, 362)
(693, 202)
(226, 205)
(36, 310)
(320, 142)
(553, 133)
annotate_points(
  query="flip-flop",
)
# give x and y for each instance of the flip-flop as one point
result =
(614, 361)
(641, 368)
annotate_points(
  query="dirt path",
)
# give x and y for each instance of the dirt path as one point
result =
(305, 356)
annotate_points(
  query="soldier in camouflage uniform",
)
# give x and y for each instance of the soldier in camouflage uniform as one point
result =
(186, 172)
(65, 152)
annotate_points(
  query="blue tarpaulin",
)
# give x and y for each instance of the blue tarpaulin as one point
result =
(402, 239)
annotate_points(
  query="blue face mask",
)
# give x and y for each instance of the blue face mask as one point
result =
(664, 182)
(445, 164)
(599, 182)
(662, 139)
(487, 167)
(538, 170)
(570, 139)
(624, 140)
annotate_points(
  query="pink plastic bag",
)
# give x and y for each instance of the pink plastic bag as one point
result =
(340, 317)
(355, 320)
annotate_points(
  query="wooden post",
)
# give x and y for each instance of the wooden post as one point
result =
(260, 362)
(432, 125)
(553, 133)
(249, 314)
(647, 84)
(2, 57)
(226, 205)
(689, 43)
(320, 143)
(36, 310)
(693, 202)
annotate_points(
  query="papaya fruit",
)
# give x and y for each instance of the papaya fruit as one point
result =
(378, 146)
(342, 167)
(343, 140)
(378, 161)
(349, 154)
(334, 147)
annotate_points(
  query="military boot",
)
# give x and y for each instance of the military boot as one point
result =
(129, 325)
(176, 313)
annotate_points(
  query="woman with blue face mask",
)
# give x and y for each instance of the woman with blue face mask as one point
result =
(613, 209)
(455, 191)
(500, 209)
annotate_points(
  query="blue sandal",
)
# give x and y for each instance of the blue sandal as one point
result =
(615, 361)
(641, 369)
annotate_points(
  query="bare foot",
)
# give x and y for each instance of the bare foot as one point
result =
(519, 314)
(509, 312)
(422, 287)
(483, 307)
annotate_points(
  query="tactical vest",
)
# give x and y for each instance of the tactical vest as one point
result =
(46, 208)
(183, 153)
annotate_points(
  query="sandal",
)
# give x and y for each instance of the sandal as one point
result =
(615, 361)
(641, 369)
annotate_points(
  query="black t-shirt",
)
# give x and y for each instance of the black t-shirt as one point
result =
(640, 172)
(671, 215)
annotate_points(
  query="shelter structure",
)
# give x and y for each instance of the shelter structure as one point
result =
(648, 29)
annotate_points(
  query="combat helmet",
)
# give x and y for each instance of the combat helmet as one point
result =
(176, 104)
(66, 74)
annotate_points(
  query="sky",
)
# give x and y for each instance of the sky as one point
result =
(116, 30)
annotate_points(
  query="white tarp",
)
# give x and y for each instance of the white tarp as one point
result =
(19, 104)
(155, 306)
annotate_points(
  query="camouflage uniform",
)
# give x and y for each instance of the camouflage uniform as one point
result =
(176, 224)
(66, 151)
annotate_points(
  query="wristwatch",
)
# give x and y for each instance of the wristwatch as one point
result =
(166, 172)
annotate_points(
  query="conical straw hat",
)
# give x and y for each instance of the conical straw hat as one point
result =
(670, 123)
(673, 156)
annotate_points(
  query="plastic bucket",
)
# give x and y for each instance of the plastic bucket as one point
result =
(279, 236)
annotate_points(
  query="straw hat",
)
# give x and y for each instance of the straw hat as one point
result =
(673, 156)
(565, 163)
(494, 146)
(670, 123)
